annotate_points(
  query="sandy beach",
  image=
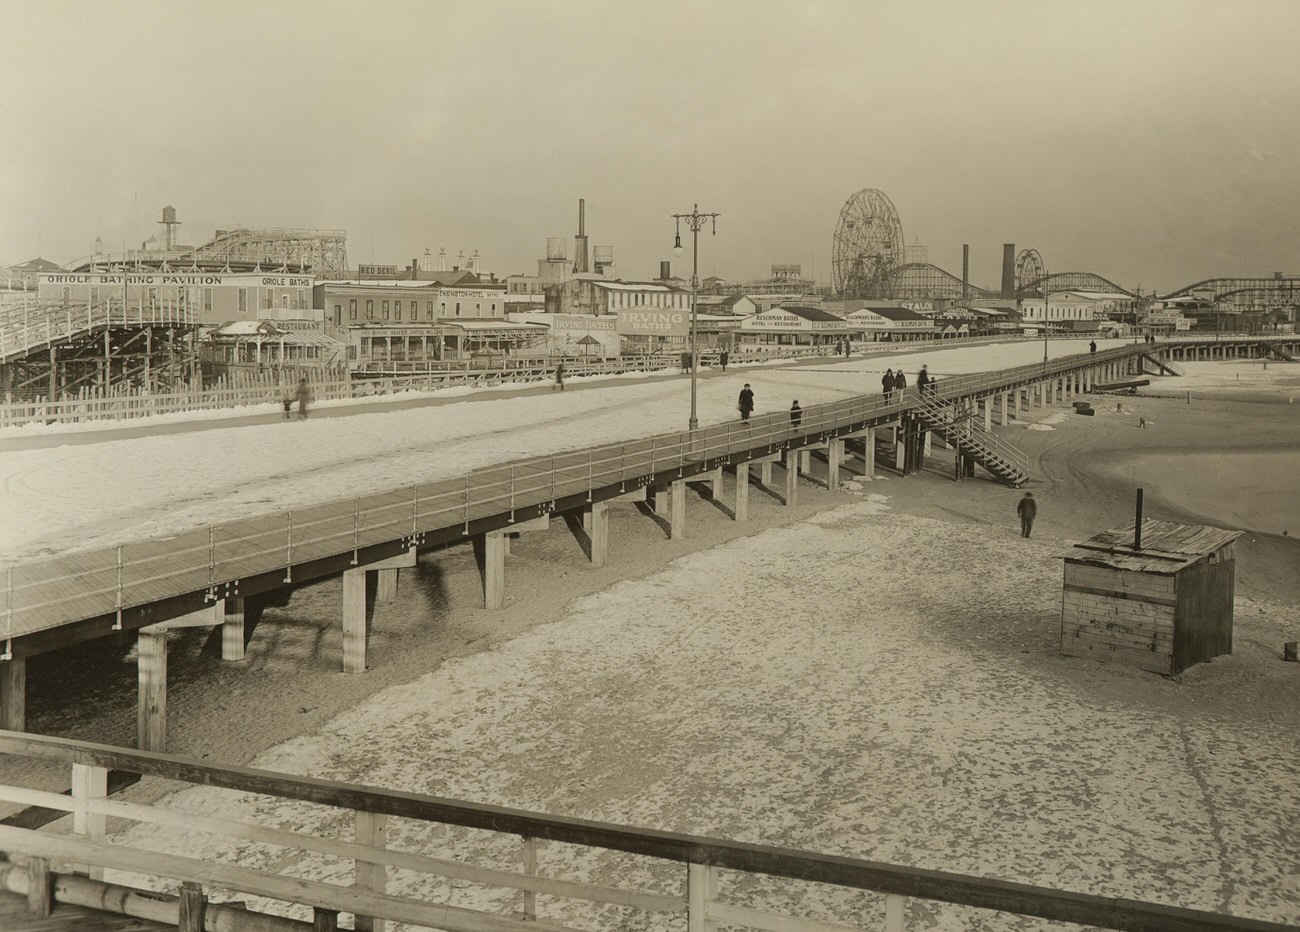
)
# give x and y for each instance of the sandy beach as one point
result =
(909, 703)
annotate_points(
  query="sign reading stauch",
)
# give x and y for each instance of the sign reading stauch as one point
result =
(649, 320)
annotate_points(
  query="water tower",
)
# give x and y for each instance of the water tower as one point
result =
(602, 258)
(169, 224)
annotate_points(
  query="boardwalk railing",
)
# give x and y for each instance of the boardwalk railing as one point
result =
(321, 848)
(201, 563)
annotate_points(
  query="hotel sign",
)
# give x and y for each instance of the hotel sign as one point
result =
(665, 322)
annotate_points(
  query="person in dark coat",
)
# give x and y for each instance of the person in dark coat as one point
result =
(922, 380)
(723, 358)
(303, 394)
(900, 382)
(559, 377)
(796, 414)
(888, 382)
(1028, 510)
(746, 403)
(1092, 347)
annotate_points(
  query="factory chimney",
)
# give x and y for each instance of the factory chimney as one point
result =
(965, 271)
(580, 241)
(1008, 270)
(665, 270)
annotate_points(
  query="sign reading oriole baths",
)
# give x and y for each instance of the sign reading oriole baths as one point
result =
(663, 321)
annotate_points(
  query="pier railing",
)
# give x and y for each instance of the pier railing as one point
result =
(200, 563)
(303, 850)
(24, 328)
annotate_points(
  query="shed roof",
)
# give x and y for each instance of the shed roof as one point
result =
(1167, 546)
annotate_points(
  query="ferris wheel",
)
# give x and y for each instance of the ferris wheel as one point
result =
(868, 246)
(1030, 272)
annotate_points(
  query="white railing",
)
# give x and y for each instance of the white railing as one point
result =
(371, 852)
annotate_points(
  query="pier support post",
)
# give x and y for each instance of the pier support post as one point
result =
(805, 461)
(834, 457)
(791, 477)
(742, 492)
(151, 670)
(386, 585)
(1019, 397)
(494, 568)
(354, 621)
(232, 628)
(765, 472)
(869, 452)
(987, 404)
(661, 503)
(13, 694)
(677, 520)
(1006, 408)
(598, 528)
(715, 484)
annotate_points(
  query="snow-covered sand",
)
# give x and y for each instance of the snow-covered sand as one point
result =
(873, 674)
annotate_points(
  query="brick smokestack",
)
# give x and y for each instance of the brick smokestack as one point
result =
(665, 270)
(1008, 270)
(580, 241)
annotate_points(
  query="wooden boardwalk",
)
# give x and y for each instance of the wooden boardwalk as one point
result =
(16, 917)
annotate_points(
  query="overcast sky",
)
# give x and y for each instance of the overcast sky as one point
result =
(1154, 143)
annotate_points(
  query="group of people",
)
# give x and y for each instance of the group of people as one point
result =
(896, 380)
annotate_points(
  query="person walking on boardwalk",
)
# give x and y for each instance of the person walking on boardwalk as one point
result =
(888, 383)
(746, 403)
(302, 394)
(796, 414)
(559, 376)
(922, 380)
(1028, 510)
(724, 358)
(900, 383)
(1092, 347)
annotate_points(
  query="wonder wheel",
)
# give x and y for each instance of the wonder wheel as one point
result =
(1030, 272)
(868, 246)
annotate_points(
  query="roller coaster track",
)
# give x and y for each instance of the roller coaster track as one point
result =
(25, 330)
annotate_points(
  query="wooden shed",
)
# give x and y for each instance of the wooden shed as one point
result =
(1161, 606)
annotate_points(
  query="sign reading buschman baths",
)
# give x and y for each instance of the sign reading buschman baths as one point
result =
(665, 322)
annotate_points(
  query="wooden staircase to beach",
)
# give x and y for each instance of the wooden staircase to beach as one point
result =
(1163, 366)
(1271, 349)
(958, 428)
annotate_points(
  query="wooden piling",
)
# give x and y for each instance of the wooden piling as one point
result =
(13, 694)
(151, 708)
(354, 620)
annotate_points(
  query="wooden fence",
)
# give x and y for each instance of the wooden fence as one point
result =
(367, 851)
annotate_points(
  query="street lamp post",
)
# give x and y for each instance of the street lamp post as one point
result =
(695, 222)
(1046, 291)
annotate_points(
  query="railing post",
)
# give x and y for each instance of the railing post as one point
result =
(530, 868)
(701, 888)
(371, 829)
(191, 908)
(895, 908)
(89, 782)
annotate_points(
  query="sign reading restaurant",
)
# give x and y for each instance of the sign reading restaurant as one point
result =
(663, 321)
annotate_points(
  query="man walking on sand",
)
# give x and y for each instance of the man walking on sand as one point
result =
(1028, 510)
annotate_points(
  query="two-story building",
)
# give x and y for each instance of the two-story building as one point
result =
(213, 297)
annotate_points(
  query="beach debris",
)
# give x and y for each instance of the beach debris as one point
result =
(1291, 651)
